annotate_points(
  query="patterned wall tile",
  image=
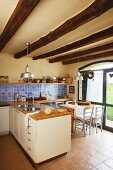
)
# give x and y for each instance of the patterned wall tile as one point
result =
(51, 91)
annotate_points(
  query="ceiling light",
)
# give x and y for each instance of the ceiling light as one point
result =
(27, 75)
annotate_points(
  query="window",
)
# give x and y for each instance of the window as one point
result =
(95, 87)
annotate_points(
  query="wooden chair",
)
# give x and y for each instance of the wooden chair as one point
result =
(83, 118)
(98, 116)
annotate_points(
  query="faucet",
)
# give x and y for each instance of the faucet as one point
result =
(32, 97)
(33, 107)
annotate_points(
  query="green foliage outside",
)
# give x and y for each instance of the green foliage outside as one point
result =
(109, 100)
(109, 112)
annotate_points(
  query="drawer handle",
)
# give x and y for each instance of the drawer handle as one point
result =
(29, 139)
(29, 126)
(29, 149)
(29, 133)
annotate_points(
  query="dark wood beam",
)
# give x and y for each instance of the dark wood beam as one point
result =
(94, 10)
(81, 53)
(77, 44)
(89, 57)
(21, 12)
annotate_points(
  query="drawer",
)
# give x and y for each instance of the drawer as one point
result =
(29, 143)
(30, 148)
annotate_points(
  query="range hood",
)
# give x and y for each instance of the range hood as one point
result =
(27, 74)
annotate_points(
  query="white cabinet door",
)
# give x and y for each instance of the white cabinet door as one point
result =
(22, 129)
(4, 120)
(16, 124)
(53, 137)
(11, 117)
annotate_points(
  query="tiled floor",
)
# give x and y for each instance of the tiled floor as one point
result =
(93, 152)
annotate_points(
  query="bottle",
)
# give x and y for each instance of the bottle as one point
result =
(16, 97)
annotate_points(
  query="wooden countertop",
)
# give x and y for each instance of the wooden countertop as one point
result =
(52, 100)
(56, 112)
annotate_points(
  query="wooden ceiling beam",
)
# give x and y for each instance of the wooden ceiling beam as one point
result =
(94, 10)
(81, 53)
(80, 43)
(89, 57)
(21, 12)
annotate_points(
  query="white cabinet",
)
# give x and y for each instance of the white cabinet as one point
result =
(31, 137)
(4, 120)
(22, 132)
(16, 124)
(11, 119)
(53, 137)
(42, 139)
(48, 138)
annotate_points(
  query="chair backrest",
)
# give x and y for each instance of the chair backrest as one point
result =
(59, 103)
(98, 111)
(84, 112)
(88, 111)
(69, 102)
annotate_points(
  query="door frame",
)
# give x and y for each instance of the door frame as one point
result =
(105, 71)
(104, 98)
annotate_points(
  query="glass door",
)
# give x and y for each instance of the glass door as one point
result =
(108, 117)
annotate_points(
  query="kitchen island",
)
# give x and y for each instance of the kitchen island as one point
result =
(45, 136)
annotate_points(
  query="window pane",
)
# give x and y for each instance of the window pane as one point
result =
(109, 88)
(95, 87)
(109, 116)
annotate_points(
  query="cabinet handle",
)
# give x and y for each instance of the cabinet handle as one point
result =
(29, 139)
(29, 133)
(29, 126)
(29, 149)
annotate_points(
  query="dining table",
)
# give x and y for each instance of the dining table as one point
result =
(73, 108)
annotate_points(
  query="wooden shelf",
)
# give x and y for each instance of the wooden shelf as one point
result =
(30, 83)
(52, 100)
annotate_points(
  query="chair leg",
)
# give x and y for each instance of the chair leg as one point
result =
(90, 128)
(101, 123)
(84, 129)
(96, 125)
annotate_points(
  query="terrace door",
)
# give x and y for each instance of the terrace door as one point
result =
(108, 99)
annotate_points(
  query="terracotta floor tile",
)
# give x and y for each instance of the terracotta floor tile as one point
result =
(102, 166)
(97, 159)
(109, 162)
(111, 149)
(108, 153)
(84, 165)
(93, 152)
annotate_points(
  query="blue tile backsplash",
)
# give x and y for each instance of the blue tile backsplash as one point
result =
(51, 91)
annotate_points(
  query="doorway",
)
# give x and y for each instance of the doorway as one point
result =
(104, 93)
(108, 99)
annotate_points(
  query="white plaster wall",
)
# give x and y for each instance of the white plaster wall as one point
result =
(14, 67)
(72, 71)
